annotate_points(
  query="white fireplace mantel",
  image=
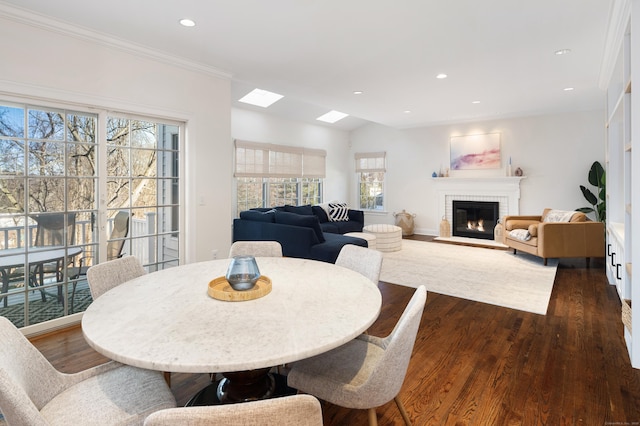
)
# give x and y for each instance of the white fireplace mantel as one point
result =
(505, 190)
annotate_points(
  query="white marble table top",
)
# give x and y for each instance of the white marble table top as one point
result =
(166, 320)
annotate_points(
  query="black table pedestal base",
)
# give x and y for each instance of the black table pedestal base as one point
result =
(243, 386)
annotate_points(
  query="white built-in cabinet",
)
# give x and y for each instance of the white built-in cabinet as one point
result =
(622, 60)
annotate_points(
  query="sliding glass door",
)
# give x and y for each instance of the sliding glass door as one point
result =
(76, 189)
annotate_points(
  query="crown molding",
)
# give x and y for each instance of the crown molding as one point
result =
(618, 21)
(26, 17)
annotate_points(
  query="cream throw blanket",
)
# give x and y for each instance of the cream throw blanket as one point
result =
(558, 216)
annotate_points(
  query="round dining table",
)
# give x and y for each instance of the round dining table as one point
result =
(167, 321)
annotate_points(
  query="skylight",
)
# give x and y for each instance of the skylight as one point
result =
(261, 98)
(332, 116)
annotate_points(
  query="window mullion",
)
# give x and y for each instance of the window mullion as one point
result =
(102, 154)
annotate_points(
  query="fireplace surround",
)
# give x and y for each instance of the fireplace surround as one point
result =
(502, 189)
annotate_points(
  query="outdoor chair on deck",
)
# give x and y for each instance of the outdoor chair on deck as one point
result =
(114, 251)
(33, 392)
(53, 229)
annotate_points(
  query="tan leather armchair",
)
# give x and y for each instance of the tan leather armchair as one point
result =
(578, 237)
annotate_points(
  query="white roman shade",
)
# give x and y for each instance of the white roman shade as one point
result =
(314, 163)
(285, 161)
(370, 162)
(252, 159)
(255, 159)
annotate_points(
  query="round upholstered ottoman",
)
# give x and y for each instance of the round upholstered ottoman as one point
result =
(371, 239)
(388, 237)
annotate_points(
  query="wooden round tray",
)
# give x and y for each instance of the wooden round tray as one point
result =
(220, 289)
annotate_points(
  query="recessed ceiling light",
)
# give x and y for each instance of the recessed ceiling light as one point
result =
(475, 102)
(562, 52)
(261, 98)
(441, 76)
(332, 116)
(187, 22)
(568, 89)
(407, 111)
(358, 92)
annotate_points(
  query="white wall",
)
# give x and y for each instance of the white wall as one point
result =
(44, 65)
(262, 127)
(554, 151)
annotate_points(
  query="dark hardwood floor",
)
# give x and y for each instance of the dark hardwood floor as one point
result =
(479, 364)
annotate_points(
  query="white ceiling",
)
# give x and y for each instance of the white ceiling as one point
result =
(317, 53)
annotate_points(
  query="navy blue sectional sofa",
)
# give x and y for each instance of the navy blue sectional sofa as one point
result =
(300, 231)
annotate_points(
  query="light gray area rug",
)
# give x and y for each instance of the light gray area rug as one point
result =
(483, 275)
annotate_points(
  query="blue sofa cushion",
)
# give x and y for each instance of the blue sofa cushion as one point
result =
(341, 227)
(320, 213)
(330, 249)
(308, 221)
(303, 210)
(259, 216)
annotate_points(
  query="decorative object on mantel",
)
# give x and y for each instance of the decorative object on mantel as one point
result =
(475, 152)
(434, 174)
(243, 273)
(445, 228)
(509, 168)
(518, 172)
(220, 289)
(405, 221)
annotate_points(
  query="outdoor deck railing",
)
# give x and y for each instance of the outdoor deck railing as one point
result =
(144, 248)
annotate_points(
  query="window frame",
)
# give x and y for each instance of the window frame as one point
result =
(370, 163)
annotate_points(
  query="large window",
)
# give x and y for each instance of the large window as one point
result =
(68, 181)
(371, 169)
(273, 175)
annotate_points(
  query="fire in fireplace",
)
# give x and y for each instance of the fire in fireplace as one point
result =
(475, 219)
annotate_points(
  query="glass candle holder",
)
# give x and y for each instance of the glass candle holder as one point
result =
(243, 273)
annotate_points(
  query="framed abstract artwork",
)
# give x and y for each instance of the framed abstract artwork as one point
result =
(475, 152)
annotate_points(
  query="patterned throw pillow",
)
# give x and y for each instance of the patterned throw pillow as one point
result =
(338, 212)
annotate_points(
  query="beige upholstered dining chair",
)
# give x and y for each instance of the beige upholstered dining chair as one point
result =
(364, 260)
(368, 371)
(256, 248)
(107, 275)
(294, 410)
(33, 392)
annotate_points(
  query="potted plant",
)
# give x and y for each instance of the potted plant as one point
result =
(597, 178)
